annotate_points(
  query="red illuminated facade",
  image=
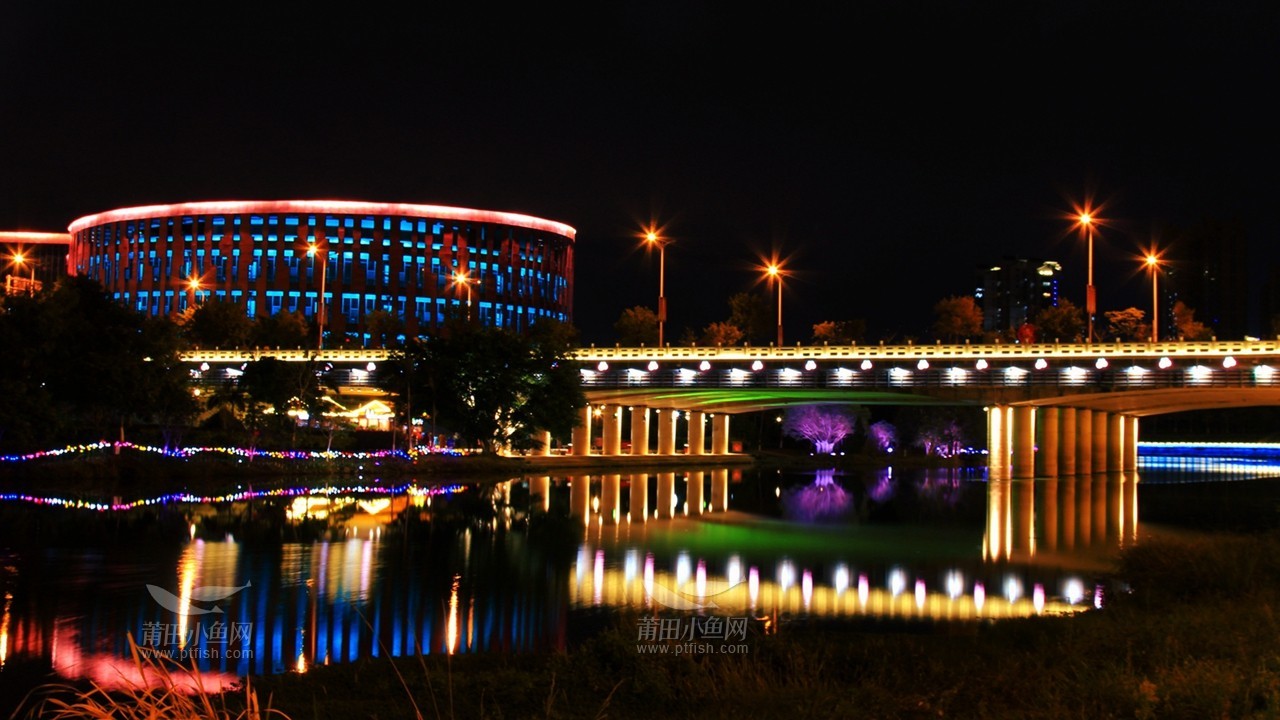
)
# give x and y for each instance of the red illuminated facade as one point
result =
(420, 263)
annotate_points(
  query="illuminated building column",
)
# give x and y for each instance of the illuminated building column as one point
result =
(1084, 441)
(540, 493)
(720, 490)
(1024, 434)
(720, 434)
(1115, 441)
(582, 432)
(543, 446)
(666, 494)
(998, 418)
(667, 431)
(693, 497)
(639, 508)
(613, 430)
(580, 497)
(1130, 443)
(611, 498)
(639, 431)
(1048, 430)
(1067, 441)
(1099, 444)
(697, 432)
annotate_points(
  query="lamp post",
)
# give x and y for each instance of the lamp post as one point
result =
(1153, 262)
(653, 239)
(193, 284)
(775, 275)
(19, 259)
(1091, 295)
(320, 304)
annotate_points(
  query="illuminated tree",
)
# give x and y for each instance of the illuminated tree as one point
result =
(721, 334)
(957, 318)
(839, 332)
(882, 436)
(823, 425)
(1127, 325)
(637, 326)
(1064, 322)
(1184, 318)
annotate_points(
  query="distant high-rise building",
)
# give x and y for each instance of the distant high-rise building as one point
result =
(1012, 292)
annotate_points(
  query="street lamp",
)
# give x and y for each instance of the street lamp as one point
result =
(193, 284)
(18, 260)
(320, 304)
(652, 238)
(775, 275)
(460, 278)
(1153, 262)
(1090, 296)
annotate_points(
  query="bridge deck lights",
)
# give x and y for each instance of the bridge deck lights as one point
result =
(866, 365)
(1228, 362)
(1101, 364)
(704, 365)
(757, 366)
(653, 365)
(1165, 363)
(981, 364)
(1041, 364)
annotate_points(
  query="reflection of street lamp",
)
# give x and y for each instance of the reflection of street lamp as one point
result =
(1090, 296)
(1153, 262)
(320, 304)
(653, 239)
(460, 278)
(775, 275)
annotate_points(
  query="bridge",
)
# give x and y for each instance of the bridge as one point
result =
(1052, 408)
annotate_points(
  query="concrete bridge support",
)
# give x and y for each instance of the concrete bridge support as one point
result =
(667, 431)
(1084, 441)
(697, 432)
(1115, 441)
(639, 431)
(580, 497)
(542, 438)
(1130, 444)
(613, 430)
(999, 418)
(1067, 441)
(1099, 442)
(1024, 427)
(1049, 433)
(720, 434)
(582, 432)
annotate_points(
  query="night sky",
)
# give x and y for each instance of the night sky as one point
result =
(885, 150)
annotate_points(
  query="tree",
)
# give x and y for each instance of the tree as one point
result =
(824, 426)
(282, 330)
(882, 436)
(840, 332)
(637, 326)
(1127, 325)
(384, 328)
(1184, 319)
(1064, 322)
(217, 324)
(957, 318)
(494, 387)
(751, 314)
(720, 334)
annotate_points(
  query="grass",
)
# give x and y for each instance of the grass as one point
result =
(1192, 632)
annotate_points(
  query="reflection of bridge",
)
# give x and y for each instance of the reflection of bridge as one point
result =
(1053, 409)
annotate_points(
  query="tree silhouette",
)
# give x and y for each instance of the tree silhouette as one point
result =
(1064, 322)
(958, 318)
(637, 326)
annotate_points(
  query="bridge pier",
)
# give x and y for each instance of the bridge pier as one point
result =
(611, 498)
(1070, 441)
(720, 434)
(1115, 441)
(1067, 446)
(697, 430)
(582, 432)
(720, 489)
(640, 431)
(1049, 427)
(666, 495)
(613, 430)
(1084, 440)
(998, 435)
(667, 431)
(695, 487)
(1130, 444)
(1099, 444)
(1024, 433)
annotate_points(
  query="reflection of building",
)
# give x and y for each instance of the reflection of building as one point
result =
(1012, 292)
(418, 263)
(32, 260)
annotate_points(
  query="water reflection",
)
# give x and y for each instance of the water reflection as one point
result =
(275, 584)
